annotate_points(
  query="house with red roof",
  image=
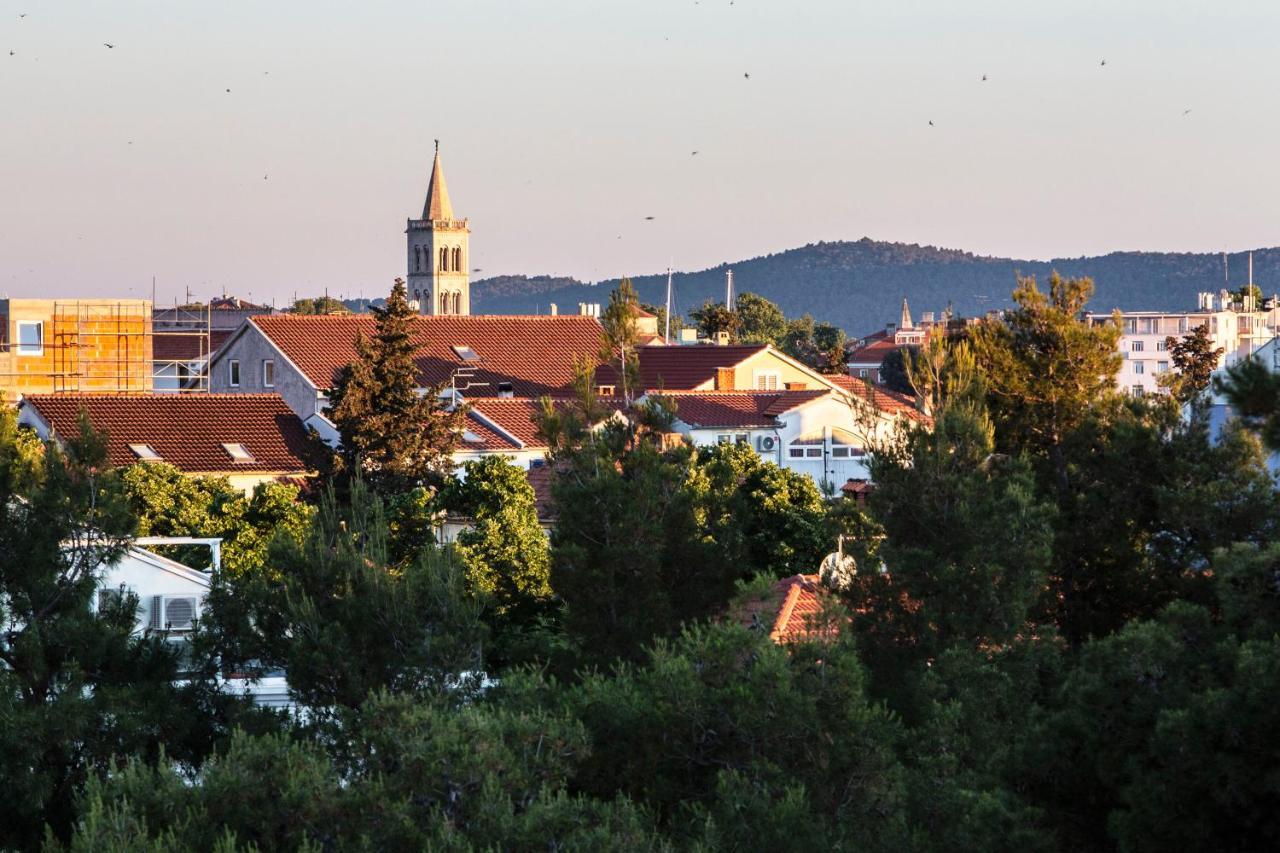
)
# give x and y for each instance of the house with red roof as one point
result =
(300, 357)
(247, 438)
(792, 610)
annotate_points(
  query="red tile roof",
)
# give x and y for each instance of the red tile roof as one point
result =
(885, 400)
(185, 430)
(682, 368)
(540, 479)
(184, 346)
(738, 409)
(792, 611)
(534, 354)
(517, 416)
(872, 350)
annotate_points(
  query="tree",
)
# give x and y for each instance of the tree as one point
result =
(504, 552)
(893, 371)
(712, 318)
(1194, 360)
(759, 320)
(620, 337)
(396, 438)
(1044, 367)
(77, 687)
(318, 305)
(819, 345)
(341, 621)
(167, 502)
(660, 312)
(1253, 392)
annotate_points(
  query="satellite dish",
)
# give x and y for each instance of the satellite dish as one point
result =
(837, 569)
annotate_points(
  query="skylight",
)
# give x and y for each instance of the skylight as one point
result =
(238, 452)
(465, 352)
(144, 452)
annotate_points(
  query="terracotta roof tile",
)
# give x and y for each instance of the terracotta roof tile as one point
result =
(738, 409)
(540, 479)
(885, 400)
(534, 353)
(682, 368)
(791, 611)
(186, 430)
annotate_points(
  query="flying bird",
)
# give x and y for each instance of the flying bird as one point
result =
(693, 153)
(984, 78)
(1104, 62)
(264, 177)
(12, 52)
(1186, 112)
(746, 76)
(108, 46)
(22, 14)
(228, 90)
(647, 218)
(477, 269)
(931, 124)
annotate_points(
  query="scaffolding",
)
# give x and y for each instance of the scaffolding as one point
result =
(181, 340)
(100, 347)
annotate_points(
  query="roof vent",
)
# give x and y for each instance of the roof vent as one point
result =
(506, 389)
(238, 453)
(465, 353)
(144, 452)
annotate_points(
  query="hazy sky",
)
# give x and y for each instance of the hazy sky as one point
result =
(564, 124)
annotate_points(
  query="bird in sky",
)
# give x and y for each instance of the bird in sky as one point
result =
(1186, 112)
(648, 218)
(22, 14)
(12, 52)
(746, 76)
(264, 177)
(108, 46)
(931, 124)
(1104, 62)
(693, 153)
(228, 90)
(984, 78)
(477, 269)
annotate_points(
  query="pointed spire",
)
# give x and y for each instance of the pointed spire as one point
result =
(437, 206)
(905, 321)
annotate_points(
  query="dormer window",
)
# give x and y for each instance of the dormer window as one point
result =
(239, 453)
(144, 452)
(465, 353)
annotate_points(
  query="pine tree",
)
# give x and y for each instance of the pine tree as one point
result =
(620, 336)
(397, 438)
(1194, 360)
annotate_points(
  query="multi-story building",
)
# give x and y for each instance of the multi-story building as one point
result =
(1237, 327)
(438, 252)
(101, 346)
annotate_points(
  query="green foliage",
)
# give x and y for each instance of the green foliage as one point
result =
(620, 336)
(393, 437)
(712, 318)
(341, 621)
(318, 305)
(166, 502)
(819, 345)
(759, 320)
(1253, 392)
(660, 312)
(1194, 360)
(893, 371)
(504, 551)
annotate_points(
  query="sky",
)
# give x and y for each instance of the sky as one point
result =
(565, 123)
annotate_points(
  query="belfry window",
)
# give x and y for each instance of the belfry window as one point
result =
(457, 260)
(444, 260)
(457, 303)
(417, 259)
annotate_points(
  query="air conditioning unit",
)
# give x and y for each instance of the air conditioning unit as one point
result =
(174, 613)
(766, 443)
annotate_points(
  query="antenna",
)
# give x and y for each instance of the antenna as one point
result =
(728, 289)
(667, 332)
(1226, 277)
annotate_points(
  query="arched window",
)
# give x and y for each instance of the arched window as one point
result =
(845, 445)
(457, 260)
(417, 259)
(444, 303)
(444, 260)
(457, 303)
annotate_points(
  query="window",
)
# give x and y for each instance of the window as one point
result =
(238, 453)
(1161, 346)
(444, 260)
(724, 439)
(862, 373)
(457, 303)
(1136, 346)
(144, 452)
(417, 259)
(1137, 390)
(844, 445)
(795, 452)
(457, 260)
(766, 380)
(30, 338)
(268, 373)
(1138, 368)
(1162, 366)
(465, 352)
(233, 370)
(606, 390)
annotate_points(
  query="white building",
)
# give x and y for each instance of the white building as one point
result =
(1236, 328)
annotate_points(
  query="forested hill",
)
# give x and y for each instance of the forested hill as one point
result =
(859, 285)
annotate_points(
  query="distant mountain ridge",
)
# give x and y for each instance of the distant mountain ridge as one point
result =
(859, 285)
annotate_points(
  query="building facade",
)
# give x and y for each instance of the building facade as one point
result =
(438, 252)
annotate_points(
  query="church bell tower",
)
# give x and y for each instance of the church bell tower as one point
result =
(439, 252)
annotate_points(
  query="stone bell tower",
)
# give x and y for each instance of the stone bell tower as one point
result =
(439, 252)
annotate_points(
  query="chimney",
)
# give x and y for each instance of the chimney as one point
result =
(722, 338)
(724, 378)
(794, 386)
(555, 309)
